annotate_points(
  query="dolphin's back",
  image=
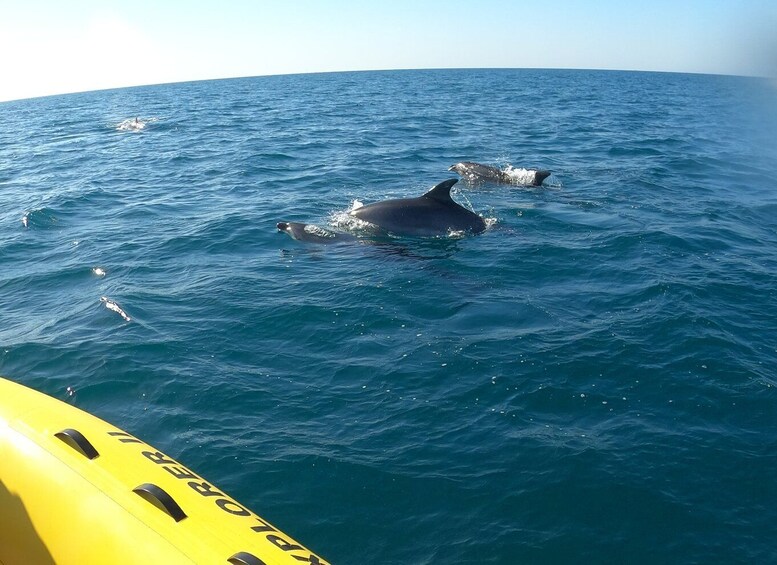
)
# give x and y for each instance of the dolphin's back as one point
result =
(477, 172)
(482, 170)
(434, 213)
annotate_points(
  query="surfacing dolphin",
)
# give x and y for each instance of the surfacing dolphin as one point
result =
(313, 234)
(475, 172)
(432, 214)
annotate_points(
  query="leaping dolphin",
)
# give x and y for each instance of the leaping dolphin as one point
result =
(475, 172)
(434, 213)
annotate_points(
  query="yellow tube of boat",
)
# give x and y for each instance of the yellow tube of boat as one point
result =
(77, 490)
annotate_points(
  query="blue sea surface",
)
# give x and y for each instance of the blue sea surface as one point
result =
(591, 380)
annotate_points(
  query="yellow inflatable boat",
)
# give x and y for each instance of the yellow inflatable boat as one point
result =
(76, 490)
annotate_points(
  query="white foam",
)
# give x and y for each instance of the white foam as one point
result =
(490, 222)
(520, 175)
(134, 124)
(318, 231)
(98, 271)
(345, 221)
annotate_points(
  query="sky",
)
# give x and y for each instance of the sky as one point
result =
(53, 47)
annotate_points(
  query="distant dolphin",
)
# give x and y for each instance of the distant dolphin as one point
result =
(313, 234)
(475, 172)
(434, 213)
(132, 124)
(111, 305)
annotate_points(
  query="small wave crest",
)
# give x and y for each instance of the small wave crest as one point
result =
(39, 217)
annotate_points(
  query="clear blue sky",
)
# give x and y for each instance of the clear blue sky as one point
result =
(51, 47)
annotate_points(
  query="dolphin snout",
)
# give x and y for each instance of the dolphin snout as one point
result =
(283, 226)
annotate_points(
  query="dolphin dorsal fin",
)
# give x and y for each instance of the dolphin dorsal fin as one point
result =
(442, 191)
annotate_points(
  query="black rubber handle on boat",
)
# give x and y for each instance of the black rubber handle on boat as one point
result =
(245, 558)
(159, 498)
(78, 441)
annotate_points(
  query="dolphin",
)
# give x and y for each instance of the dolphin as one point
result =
(434, 213)
(475, 172)
(313, 234)
(111, 305)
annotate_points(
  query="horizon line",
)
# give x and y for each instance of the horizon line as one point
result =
(377, 70)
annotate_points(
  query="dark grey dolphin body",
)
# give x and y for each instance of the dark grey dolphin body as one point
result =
(434, 213)
(475, 172)
(313, 234)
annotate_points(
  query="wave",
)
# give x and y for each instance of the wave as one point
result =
(39, 218)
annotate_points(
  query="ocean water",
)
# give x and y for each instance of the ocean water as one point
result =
(590, 380)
